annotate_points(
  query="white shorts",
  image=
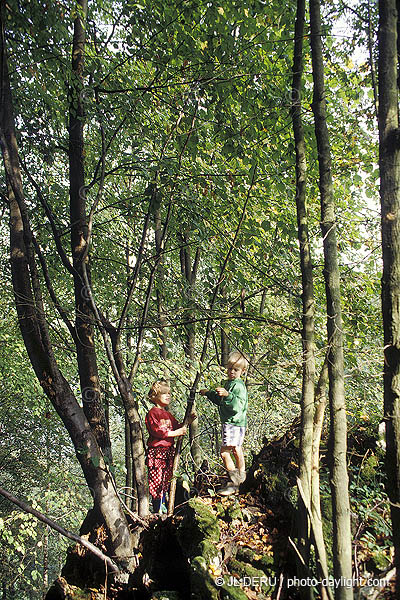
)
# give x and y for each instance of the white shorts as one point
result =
(232, 435)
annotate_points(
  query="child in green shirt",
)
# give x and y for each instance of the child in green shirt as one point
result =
(232, 402)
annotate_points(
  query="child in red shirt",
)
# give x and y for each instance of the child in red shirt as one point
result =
(163, 428)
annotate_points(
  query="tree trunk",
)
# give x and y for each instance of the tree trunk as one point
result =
(129, 483)
(139, 475)
(338, 435)
(86, 353)
(162, 333)
(320, 405)
(36, 337)
(307, 396)
(189, 273)
(389, 165)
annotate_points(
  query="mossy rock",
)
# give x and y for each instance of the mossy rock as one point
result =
(202, 584)
(233, 511)
(208, 550)
(165, 595)
(276, 486)
(244, 571)
(200, 524)
(245, 554)
(220, 508)
(206, 520)
(61, 590)
(229, 511)
(265, 563)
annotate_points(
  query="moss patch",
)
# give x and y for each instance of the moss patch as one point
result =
(165, 595)
(61, 590)
(199, 524)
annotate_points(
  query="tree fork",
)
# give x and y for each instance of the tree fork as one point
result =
(34, 331)
(68, 534)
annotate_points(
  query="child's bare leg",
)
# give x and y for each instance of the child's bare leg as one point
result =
(239, 457)
(236, 472)
(226, 457)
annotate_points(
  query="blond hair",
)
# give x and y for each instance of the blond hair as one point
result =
(238, 359)
(158, 388)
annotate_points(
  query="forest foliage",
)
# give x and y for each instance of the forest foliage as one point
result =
(187, 131)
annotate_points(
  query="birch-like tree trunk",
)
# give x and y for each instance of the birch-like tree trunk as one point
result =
(389, 166)
(307, 396)
(338, 435)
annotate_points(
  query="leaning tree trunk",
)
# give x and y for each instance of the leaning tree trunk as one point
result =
(338, 437)
(35, 333)
(389, 166)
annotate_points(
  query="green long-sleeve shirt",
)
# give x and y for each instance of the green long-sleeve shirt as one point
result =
(232, 408)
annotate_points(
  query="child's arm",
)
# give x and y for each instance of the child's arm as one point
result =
(160, 431)
(176, 432)
(236, 398)
(211, 395)
(177, 428)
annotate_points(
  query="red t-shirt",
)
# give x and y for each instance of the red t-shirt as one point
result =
(158, 422)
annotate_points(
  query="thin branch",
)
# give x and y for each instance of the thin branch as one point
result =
(51, 291)
(192, 392)
(133, 282)
(148, 295)
(68, 534)
(64, 258)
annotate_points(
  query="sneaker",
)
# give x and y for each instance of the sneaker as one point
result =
(242, 476)
(237, 476)
(228, 490)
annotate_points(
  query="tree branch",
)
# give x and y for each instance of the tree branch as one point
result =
(68, 534)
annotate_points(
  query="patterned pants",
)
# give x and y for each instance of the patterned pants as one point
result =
(160, 464)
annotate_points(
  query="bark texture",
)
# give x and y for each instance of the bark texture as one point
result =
(389, 165)
(338, 436)
(189, 274)
(84, 339)
(34, 329)
(307, 396)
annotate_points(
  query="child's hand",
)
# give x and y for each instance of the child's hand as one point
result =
(182, 430)
(203, 392)
(222, 392)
